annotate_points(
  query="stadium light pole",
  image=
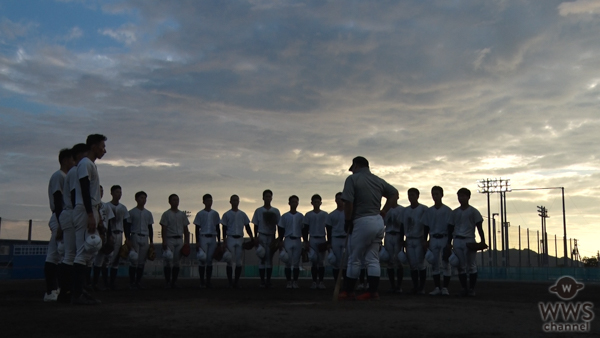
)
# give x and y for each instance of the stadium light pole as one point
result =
(500, 186)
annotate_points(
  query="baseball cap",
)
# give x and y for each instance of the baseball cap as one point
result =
(360, 161)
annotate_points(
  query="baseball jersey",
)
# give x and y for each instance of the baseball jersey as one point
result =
(393, 219)
(336, 220)
(207, 221)
(258, 219)
(411, 220)
(87, 168)
(121, 213)
(365, 190)
(437, 219)
(292, 224)
(140, 219)
(235, 222)
(57, 181)
(69, 185)
(316, 223)
(173, 223)
(106, 214)
(464, 221)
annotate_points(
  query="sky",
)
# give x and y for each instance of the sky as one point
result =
(234, 97)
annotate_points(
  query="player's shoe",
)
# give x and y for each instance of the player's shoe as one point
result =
(52, 297)
(445, 292)
(368, 296)
(399, 290)
(343, 296)
(295, 285)
(167, 286)
(463, 293)
(435, 292)
(321, 286)
(313, 285)
(175, 286)
(289, 285)
(263, 285)
(471, 293)
(360, 287)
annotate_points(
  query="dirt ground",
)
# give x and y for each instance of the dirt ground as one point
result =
(500, 309)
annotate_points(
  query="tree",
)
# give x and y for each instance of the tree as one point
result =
(590, 262)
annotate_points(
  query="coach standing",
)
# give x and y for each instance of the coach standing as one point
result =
(362, 203)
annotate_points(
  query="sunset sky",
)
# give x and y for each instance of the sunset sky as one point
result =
(234, 97)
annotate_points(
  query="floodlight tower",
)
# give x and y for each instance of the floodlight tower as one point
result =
(500, 186)
(543, 213)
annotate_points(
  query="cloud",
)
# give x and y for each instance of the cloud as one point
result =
(579, 7)
(150, 163)
(125, 34)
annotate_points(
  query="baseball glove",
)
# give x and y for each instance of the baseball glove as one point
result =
(477, 246)
(248, 245)
(124, 251)
(322, 247)
(185, 250)
(219, 251)
(151, 253)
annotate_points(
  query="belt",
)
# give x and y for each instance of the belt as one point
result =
(293, 237)
(394, 232)
(317, 236)
(141, 235)
(117, 232)
(460, 237)
(262, 233)
(339, 236)
(207, 235)
(176, 237)
(439, 235)
(420, 237)
(236, 236)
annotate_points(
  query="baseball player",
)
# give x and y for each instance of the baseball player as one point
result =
(265, 220)
(101, 260)
(362, 202)
(116, 233)
(174, 228)
(463, 222)
(55, 195)
(436, 222)
(393, 244)
(139, 233)
(335, 221)
(314, 225)
(290, 228)
(209, 236)
(86, 215)
(234, 222)
(65, 268)
(416, 244)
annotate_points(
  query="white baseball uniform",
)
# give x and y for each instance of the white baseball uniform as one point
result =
(335, 220)
(66, 217)
(437, 219)
(316, 230)
(173, 224)
(140, 219)
(56, 184)
(121, 213)
(106, 215)
(235, 221)
(392, 240)
(464, 222)
(292, 231)
(208, 224)
(414, 232)
(85, 168)
(266, 233)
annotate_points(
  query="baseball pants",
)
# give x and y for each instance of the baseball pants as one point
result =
(234, 245)
(363, 246)
(53, 256)
(465, 256)
(66, 222)
(391, 242)
(113, 258)
(338, 245)
(265, 241)
(140, 243)
(209, 245)
(101, 260)
(437, 245)
(294, 251)
(175, 245)
(80, 219)
(314, 243)
(415, 253)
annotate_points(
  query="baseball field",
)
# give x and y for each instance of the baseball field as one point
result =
(500, 309)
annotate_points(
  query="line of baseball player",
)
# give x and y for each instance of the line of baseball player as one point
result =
(87, 235)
